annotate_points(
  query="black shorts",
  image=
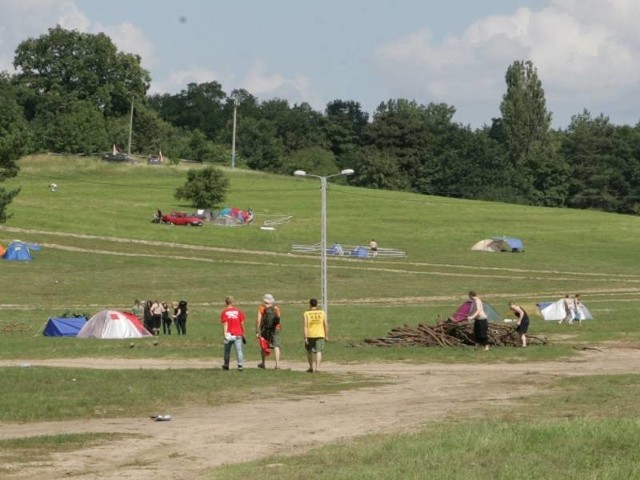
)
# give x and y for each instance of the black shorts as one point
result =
(523, 327)
(481, 331)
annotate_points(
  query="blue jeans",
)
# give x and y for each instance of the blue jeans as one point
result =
(237, 343)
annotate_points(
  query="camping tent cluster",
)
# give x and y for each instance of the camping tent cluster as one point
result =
(233, 216)
(499, 244)
(104, 324)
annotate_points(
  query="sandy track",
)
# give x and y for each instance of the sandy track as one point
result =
(199, 439)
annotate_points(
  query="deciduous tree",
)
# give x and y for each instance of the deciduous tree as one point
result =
(205, 188)
(13, 140)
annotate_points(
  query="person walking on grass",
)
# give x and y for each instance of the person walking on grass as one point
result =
(373, 246)
(522, 324)
(316, 333)
(268, 330)
(480, 321)
(569, 312)
(232, 319)
(577, 309)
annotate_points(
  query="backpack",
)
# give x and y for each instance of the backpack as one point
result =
(270, 320)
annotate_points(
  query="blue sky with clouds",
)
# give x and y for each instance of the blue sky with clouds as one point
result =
(587, 52)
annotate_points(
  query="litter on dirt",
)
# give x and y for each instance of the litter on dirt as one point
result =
(161, 418)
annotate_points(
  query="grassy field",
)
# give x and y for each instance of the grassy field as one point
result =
(100, 250)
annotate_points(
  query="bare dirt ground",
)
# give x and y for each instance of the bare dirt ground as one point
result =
(197, 440)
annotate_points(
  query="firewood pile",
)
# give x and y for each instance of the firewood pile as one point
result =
(449, 334)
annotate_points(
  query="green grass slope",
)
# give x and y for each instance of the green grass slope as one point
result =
(100, 250)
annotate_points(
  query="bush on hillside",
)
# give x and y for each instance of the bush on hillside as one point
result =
(206, 188)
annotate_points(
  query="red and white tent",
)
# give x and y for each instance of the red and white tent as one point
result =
(113, 324)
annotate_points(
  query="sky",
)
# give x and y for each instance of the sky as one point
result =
(587, 52)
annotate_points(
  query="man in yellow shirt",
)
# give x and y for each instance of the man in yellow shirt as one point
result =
(316, 331)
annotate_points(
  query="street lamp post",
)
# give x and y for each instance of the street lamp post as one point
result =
(130, 128)
(323, 232)
(236, 102)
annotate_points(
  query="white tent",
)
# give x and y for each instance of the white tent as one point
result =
(499, 244)
(556, 311)
(113, 324)
(487, 245)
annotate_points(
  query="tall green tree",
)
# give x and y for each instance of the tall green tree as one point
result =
(64, 125)
(605, 164)
(259, 144)
(315, 160)
(297, 127)
(344, 128)
(374, 168)
(13, 141)
(201, 106)
(539, 173)
(206, 188)
(82, 66)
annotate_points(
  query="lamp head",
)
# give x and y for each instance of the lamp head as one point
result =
(300, 173)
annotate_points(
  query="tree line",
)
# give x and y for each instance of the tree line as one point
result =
(75, 93)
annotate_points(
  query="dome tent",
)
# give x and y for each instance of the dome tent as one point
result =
(113, 324)
(499, 244)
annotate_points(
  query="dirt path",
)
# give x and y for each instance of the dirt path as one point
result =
(199, 439)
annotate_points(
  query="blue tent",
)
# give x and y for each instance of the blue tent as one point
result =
(20, 251)
(359, 252)
(515, 244)
(64, 326)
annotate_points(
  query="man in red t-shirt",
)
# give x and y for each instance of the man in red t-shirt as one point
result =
(232, 319)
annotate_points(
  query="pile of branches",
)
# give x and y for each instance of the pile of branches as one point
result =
(450, 334)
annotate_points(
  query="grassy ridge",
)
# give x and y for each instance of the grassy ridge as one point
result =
(100, 250)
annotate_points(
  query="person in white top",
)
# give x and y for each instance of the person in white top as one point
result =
(373, 246)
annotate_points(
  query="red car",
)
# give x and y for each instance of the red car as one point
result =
(181, 218)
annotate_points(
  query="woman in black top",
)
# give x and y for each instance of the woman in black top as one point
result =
(522, 326)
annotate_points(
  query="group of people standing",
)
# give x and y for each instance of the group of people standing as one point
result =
(267, 332)
(480, 321)
(156, 316)
(572, 309)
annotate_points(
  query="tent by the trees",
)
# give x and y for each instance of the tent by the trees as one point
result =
(113, 324)
(556, 311)
(463, 311)
(499, 244)
(232, 216)
(20, 251)
(64, 326)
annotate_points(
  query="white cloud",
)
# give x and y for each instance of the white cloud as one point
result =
(587, 53)
(297, 88)
(259, 82)
(130, 39)
(23, 19)
(178, 80)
